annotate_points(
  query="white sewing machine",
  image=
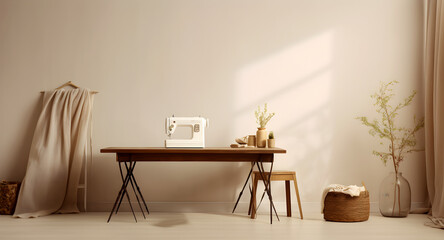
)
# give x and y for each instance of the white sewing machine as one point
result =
(197, 126)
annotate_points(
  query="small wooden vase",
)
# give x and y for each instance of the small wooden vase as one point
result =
(261, 137)
(251, 140)
(271, 143)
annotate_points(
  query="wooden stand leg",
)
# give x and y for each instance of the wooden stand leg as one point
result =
(287, 190)
(297, 195)
(253, 196)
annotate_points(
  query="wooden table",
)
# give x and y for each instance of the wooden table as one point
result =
(129, 156)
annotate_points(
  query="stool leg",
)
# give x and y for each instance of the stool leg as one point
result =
(251, 200)
(297, 195)
(287, 190)
(253, 196)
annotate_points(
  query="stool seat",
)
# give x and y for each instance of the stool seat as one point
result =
(276, 173)
(286, 176)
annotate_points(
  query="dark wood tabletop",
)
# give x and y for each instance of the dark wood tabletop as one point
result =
(192, 150)
(127, 154)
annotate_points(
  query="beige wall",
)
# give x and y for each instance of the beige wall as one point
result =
(314, 62)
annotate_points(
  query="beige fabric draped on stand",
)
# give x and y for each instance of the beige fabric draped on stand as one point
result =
(56, 155)
(434, 110)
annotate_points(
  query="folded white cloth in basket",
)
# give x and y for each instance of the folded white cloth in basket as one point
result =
(351, 190)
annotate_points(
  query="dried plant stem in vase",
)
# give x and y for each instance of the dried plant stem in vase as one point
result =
(262, 118)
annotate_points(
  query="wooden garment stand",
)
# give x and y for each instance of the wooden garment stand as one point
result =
(83, 186)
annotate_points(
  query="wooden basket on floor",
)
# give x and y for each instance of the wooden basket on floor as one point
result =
(8, 196)
(340, 207)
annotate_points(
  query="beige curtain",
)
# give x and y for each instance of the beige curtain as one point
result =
(434, 112)
(57, 152)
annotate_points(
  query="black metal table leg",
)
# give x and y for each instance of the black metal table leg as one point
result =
(133, 183)
(135, 193)
(245, 184)
(120, 195)
(267, 185)
(251, 200)
(115, 203)
(133, 180)
(123, 191)
(126, 179)
(270, 195)
(140, 193)
(262, 198)
(130, 172)
(269, 189)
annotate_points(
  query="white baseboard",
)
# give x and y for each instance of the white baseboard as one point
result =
(203, 207)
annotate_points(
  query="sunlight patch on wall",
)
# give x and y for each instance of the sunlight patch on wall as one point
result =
(298, 76)
(295, 83)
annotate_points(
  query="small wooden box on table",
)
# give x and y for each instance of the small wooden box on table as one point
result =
(129, 156)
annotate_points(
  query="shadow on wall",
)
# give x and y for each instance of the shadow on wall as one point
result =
(24, 140)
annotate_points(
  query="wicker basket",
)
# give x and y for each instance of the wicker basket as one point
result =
(8, 196)
(340, 207)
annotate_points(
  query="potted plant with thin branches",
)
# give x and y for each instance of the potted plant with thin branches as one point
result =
(394, 194)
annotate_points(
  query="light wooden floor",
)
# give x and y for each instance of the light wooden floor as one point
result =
(212, 226)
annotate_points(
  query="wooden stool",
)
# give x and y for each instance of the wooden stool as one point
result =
(276, 176)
